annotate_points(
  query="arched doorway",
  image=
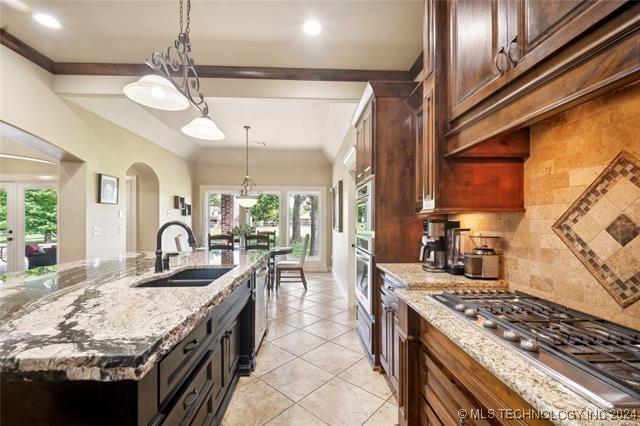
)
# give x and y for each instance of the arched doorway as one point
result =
(143, 207)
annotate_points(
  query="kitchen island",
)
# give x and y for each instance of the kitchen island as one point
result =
(87, 342)
(451, 369)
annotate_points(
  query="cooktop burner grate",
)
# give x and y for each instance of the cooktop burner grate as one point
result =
(598, 358)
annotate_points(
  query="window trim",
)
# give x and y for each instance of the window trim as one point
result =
(317, 262)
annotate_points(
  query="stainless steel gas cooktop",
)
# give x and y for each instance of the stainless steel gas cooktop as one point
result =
(596, 358)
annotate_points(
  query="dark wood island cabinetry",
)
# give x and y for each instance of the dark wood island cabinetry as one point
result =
(192, 383)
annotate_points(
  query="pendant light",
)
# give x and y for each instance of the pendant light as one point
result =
(175, 84)
(203, 128)
(246, 199)
(157, 92)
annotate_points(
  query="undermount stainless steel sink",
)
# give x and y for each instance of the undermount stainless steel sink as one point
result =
(200, 277)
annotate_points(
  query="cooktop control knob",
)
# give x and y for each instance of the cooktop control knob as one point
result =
(511, 335)
(471, 313)
(460, 307)
(489, 323)
(529, 345)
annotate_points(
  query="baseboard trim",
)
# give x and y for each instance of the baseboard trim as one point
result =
(341, 286)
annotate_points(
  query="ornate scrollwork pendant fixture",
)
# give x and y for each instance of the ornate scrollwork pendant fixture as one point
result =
(175, 84)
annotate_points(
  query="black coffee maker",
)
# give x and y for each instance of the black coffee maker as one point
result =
(433, 252)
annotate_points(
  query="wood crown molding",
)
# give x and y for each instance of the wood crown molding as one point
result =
(208, 71)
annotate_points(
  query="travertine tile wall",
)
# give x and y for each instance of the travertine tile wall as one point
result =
(568, 152)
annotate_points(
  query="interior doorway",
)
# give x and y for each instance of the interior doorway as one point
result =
(28, 225)
(142, 207)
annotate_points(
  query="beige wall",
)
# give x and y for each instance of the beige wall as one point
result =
(27, 102)
(342, 255)
(568, 152)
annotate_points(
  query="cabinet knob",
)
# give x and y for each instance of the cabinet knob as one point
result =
(190, 346)
(514, 41)
(496, 60)
(190, 398)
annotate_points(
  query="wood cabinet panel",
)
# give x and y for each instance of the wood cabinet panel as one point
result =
(365, 143)
(469, 382)
(429, 159)
(384, 335)
(429, 38)
(478, 61)
(538, 28)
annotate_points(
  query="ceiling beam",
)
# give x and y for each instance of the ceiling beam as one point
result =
(206, 71)
(216, 71)
(23, 49)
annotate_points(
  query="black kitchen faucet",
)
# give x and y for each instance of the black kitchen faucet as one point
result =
(192, 242)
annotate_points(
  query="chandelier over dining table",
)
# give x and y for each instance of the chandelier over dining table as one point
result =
(175, 84)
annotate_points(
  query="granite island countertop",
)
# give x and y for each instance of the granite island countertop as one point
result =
(414, 277)
(551, 398)
(87, 320)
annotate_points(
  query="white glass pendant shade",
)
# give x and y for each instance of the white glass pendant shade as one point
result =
(247, 201)
(203, 128)
(157, 92)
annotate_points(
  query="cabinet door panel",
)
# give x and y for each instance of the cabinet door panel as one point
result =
(428, 146)
(420, 157)
(537, 28)
(384, 338)
(429, 40)
(367, 124)
(478, 63)
(360, 154)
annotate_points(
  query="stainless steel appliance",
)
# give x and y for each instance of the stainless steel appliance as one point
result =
(597, 359)
(457, 242)
(261, 286)
(364, 209)
(483, 262)
(433, 253)
(364, 271)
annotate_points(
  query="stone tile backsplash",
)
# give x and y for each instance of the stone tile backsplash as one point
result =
(569, 151)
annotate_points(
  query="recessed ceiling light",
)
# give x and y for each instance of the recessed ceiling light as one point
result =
(312, 28)
(47, 20)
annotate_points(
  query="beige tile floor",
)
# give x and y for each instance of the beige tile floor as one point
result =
(310, 368)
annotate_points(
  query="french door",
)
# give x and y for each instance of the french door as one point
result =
(28, 225)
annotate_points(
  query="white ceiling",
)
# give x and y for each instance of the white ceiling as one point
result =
(382, 35)
(287, 115)
(283, 124)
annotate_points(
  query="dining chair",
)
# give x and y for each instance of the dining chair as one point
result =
(272, 237)
(221, 242)
(293, 270)
(257, 242)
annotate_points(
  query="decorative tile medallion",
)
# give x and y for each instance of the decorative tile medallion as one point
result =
(602, 229)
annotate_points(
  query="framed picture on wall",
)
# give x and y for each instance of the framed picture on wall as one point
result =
(107, 189)
(337, 206)
(188, 206)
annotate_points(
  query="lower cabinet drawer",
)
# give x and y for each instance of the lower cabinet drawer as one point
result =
(364, 328)
(206, 414)
(202, 383)
(176, 365)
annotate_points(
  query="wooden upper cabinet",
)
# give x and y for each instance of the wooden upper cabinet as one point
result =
(359, 151)
(477, 45)
(364, 144)
(538, 28)
(368, 145)
(428, 152)
(429, 38)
